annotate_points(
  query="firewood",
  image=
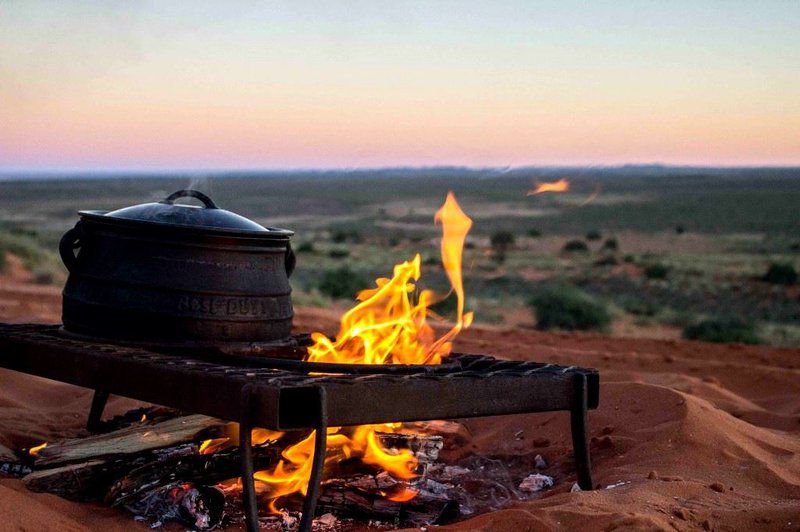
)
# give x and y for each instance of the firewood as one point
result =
(10, 463)
(129, 440)
(363, 497)
(197, 507)
(199, 469)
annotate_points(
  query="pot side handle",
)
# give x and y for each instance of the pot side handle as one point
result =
(67, 246)
(290, 259)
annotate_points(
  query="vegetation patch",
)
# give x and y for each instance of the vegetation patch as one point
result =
(723, 330)
(569, 308)
(656, 271)
(781, 273)
(575, 246)
(342, 283)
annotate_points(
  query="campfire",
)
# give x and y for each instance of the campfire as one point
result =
(388, 326)
(318, 425)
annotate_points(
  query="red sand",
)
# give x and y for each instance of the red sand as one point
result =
(675, 419)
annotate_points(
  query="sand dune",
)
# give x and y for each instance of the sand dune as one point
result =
(688, 435)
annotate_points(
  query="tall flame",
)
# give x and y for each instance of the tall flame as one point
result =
(388, 326)
(562, 185)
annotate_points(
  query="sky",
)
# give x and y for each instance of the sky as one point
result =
(280, 85)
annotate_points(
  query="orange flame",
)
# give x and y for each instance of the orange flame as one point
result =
(33, 451)
(388, 326)
(562, 185)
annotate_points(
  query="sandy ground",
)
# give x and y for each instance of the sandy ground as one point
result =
(692, 436)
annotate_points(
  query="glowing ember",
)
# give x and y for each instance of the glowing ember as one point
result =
(388, 326)
(33, 451)
(562, 185)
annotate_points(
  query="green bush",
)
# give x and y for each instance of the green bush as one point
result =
(781, 273)
(305, 247)
(534, 233)
(593, 235)
(640, 308)
(611, 244)
(340, 236)
(679, 229)
(630, 259)
(501, 242)
(567, 307)
(432, 261)
(722, 331)
(656, 271)
(608, 260)
(575, 246)
(338, 253)
(342, 283)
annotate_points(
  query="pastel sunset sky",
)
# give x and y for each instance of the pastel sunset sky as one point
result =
(317, 84)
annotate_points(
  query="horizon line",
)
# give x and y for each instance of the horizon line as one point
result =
(70, 172)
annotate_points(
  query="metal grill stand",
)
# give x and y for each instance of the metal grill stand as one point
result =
(279, 399)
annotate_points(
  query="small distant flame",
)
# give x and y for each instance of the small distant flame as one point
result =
(144, 418)
(33, 451)
(562, 185)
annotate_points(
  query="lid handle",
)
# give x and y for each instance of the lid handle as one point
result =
(170, 200)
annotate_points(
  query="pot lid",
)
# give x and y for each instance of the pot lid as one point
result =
(209, 216)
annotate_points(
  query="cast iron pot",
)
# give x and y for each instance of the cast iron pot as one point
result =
(167, 273)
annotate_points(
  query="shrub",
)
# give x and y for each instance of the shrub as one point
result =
(656, 271)
(567, 307)
(680, 229)
(640, 308)
(432, 261)
(611, 244)
(305, 247)
(723, 330)
(340, 236)
(608, 260)
(593, 235)
(3, 260)
(44, 277)
(341, 282)
(534, 233)
(501, 241)
(338, 253)
(573, 246)
(630, 259)
(781, 273)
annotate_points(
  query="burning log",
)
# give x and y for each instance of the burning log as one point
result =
(199, 507)
(10, 464)
(365, 497)
(199, 469)
(129, 440)
(157, 468)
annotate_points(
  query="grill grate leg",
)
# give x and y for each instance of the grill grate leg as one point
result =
(96, 411)
(314, 481)
(246, 456)
(580, 445)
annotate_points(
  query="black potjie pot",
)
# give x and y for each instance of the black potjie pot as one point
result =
(167, 273)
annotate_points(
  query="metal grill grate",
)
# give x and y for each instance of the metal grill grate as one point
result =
(231, 388)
